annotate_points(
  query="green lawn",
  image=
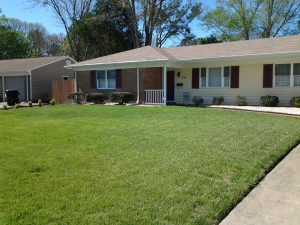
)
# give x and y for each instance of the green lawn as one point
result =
(133, 165)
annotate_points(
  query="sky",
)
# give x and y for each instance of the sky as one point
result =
(25, 11)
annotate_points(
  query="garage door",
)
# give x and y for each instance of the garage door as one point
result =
(17, 83)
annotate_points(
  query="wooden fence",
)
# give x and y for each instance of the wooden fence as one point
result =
(61, 89)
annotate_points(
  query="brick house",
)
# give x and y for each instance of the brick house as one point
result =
(251, 68)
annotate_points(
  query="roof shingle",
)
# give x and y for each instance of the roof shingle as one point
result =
(20, 65)
(288, 44)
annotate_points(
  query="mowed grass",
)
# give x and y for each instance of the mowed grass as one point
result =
(133, 165)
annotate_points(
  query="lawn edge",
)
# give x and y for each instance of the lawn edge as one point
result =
(266, 172)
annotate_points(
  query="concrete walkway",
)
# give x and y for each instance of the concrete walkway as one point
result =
(276, 200)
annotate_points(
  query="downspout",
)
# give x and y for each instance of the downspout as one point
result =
(30, 75)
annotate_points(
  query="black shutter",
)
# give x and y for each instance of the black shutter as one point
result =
(93, 79)
(118, 78)
(235, 77)
(268, 76)
(195, 78)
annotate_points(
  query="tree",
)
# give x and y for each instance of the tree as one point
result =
(105, 30)
(69, 12)
(246, 19)
(192, 40)
(278, 17)
(37, 39)
(54, 43)
(161, 20)
(13, 44)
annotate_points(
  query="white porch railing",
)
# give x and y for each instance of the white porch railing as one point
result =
(154, 97)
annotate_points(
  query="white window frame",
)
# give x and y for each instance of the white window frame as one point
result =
(207, 76)
(106, 81)
(292, 76)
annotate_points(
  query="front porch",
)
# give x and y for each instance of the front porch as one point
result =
(149, 85)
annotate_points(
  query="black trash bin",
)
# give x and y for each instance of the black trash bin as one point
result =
(12, 97)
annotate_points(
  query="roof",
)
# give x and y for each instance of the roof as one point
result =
(28, 64)
(277, 45)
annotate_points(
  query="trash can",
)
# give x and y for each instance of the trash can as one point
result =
(12, 97)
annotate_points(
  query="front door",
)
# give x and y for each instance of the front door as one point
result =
(170, 86)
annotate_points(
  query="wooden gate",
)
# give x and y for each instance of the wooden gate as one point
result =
(61, 89)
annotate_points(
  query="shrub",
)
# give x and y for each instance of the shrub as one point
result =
(295, 101)
(16, 106)
(269, 100)
(121, 97)
(30, 104)
(5, 106)
(40, 103)
(52, 101)
(218, 100)
(77, 97)
(241, 100)
(197, 100)
(97, 98)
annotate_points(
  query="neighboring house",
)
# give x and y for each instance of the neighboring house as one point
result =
(33, 77)
(251, 68)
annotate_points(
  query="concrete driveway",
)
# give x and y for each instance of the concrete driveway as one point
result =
(276, 200)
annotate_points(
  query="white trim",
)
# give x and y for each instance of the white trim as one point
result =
(165, 85)
(137, 85)
(75, 86)
(106, 81)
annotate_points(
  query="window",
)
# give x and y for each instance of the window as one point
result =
(226, 76)
(106, 79)
(214, 77)
(282, 75)
(296, 75)
(203, 77)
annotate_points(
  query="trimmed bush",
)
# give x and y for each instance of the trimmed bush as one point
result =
(197, 100)
(16, 106)
(97, 98)
(77, 97)
(121, 97)
(5, 106)
(30, 104)
(218, 100)
(241, 100)
(40, 103)
(269, 100)
(52, 101)
(295, 101)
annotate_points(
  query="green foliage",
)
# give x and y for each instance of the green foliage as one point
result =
(192, 40)
(40, 103)
(4, 106)
(121, 97)
(13, 44)
(241, 100)
(97, 98)
(295, 101)
(198, 101)
(52, 101)
(120, 161)
(30, 104)
(218, 100)
(16, 106)
(270, 101)
(77, 97)
(247, 19)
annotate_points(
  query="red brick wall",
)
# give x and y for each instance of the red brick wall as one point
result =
(150, 78)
